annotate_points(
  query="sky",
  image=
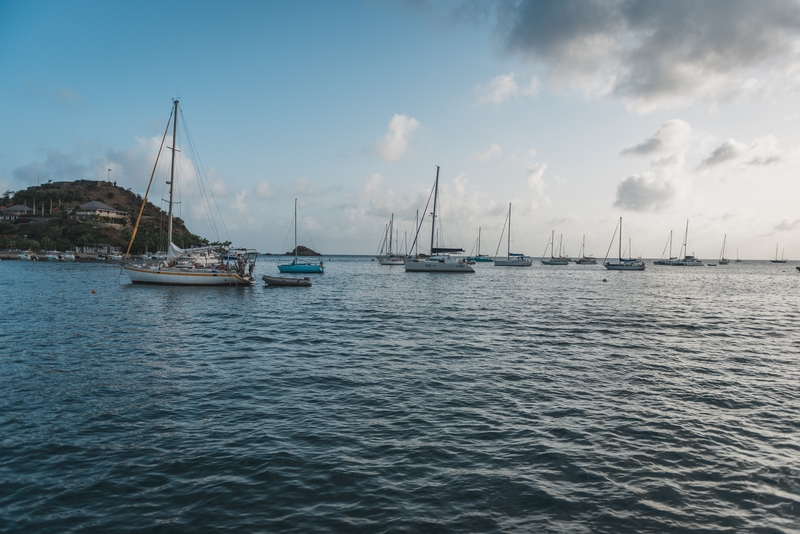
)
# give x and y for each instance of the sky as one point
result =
(574, 112)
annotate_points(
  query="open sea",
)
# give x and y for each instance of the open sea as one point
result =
(542, 399)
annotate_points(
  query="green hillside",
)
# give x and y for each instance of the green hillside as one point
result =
(58, 225)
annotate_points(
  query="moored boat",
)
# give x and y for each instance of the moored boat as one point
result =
(286, 282)
(297, 265)
(512, 259)
(624, 264)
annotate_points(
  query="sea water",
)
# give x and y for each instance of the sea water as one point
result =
(550, 399)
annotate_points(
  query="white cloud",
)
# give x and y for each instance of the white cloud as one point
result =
(644, 192)
(263, 191)
(667, 139)
(240, 204)
(534, 177)
(395, 141)
(762, 151)
(503, 88)
(494, 150)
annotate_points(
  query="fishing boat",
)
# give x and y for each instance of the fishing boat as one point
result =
(286, 282)
(440, 259)
(297, 265)
(387, 256)
(478, 257)
(584, 259)
(722, 259)
(555, 260)
(776, 260)
(512, 259)
(625, 264)
(199, 266)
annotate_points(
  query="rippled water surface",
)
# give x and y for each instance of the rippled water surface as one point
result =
(510, 400)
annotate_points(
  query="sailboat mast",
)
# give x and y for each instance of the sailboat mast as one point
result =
(295, 229)
(685, 239)
(391, 229)
(620, 239)
(416, 241)
(172, 170)
(552, 242)
(435, 197)
(509, 230)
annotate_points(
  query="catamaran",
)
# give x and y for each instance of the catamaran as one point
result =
(202, 266)
(512, 260)
(625, 264)
(297, 265)
(439, 260)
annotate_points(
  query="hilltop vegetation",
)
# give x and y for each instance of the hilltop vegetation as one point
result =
(60, 227)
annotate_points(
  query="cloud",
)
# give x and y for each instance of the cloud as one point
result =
(534, 177)
(69, 96)
(763, 151)
(645, 192)
(395, 141)
(668, 138)
(503, 88)
(57, 166)
(263, 191)
(494, 150)
(730, 149)
(786, 226)
(655, 54)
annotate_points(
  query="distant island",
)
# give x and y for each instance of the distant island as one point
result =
(85, 216)
(302, 251)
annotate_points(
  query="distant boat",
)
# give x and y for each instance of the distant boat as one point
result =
(512, 259)
(25, 255)
(670, 258)
(439, 260)
(478, 257)
(625, 264)
(53, 255)
(287, 282)
(737, 256)
(555, 260)
(386, 255)
(297, 265)
(68, 256)
(584, 259)
(688, 260)
(722, 259)
(776, 260)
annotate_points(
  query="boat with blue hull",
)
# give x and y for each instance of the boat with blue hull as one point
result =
(297, 265)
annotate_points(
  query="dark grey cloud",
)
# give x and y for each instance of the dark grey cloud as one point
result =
(668, 138)
(730, 149)
(646, 50)
(56, 166)
(644, 192)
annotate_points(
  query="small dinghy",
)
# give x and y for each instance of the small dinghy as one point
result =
(280, 281)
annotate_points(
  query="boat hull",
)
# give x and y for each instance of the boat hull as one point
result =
(391, 260)
(513, 263)
(286, 282)
(187, 277)
(479, 259)
(301, 268)
(555, 262)
(437, 266)
(625, 266)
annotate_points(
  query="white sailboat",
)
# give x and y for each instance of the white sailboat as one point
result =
(670, 258)
(439, 260)
(297, 265)
(625, 264)
(512, 259)
(203, 266)
(688, 260)
(722, 259)
(555, 260)
(387, 256)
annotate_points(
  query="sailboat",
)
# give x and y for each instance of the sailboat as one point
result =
(737, 256)
(584, 259)
(625, 264)
(688, 260)
(512, 260)
(389, 257)
(297, 265)
(555, 260)
(201, 266)
(776, 260)
(671, 258)
(478, 257)
(439, 260)
(722, 259)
